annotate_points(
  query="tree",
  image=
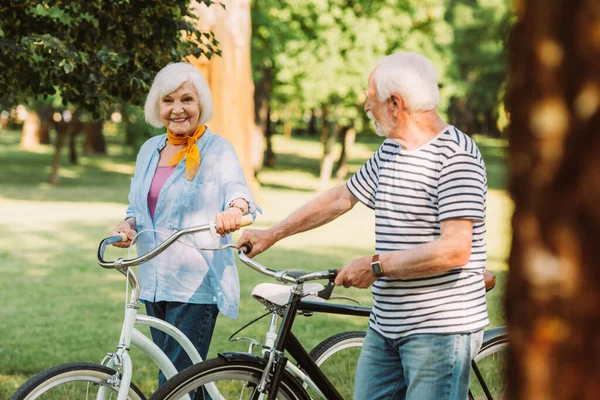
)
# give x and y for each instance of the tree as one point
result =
(93, 54)
(328, 71)
(553, 290)
(230, 80)
(480, 30)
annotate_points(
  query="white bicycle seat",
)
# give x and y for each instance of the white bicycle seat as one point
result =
(280, 294)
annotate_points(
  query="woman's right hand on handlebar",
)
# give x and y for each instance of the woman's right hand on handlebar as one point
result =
(128, 229)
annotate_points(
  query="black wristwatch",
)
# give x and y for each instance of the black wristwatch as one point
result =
(376, 266)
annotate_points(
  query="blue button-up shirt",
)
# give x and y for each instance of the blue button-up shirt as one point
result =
(183, 273)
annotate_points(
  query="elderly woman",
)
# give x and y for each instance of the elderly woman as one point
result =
(186, 177)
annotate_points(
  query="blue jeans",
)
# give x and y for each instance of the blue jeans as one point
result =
(196, 321)
(416, 367)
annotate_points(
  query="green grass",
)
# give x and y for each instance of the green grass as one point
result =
(59, 306)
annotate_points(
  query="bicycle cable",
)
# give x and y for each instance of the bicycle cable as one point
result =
(165, 234)
(275, 309)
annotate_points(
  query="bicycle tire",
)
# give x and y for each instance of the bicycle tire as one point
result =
(243, 370)
(337, 356)
(491, 361)
(58, 377)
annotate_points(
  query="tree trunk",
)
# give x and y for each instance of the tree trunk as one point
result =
(61, 134)
(45, 113)
(94, 138)
(30, 138)
(312, 124)
(262, 111)
(553, 291)
(73, 146)
(287, 128)
(269, 158)
(328, 139)
(230, 79)
(347, 138)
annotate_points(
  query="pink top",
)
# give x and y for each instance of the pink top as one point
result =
(160, 177)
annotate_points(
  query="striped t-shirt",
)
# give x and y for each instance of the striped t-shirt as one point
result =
(411, 192)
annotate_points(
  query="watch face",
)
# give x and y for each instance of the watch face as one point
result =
(376, 268)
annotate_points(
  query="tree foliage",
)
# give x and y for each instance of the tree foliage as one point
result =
(93, 53)
(481, 29)
(319, 52)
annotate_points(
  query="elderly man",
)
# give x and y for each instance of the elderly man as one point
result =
(427, 184)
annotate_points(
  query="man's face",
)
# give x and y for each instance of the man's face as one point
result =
(377, 110)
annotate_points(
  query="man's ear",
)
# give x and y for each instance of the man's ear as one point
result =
(396, 102)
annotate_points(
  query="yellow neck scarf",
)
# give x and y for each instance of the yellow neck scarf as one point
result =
(192, 162)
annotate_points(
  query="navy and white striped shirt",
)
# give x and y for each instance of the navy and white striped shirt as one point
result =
(411, 192)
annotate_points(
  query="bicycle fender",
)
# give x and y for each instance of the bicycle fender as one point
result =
(238, 356)
(494, 334)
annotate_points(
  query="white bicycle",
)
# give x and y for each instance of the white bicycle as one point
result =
(112, 378)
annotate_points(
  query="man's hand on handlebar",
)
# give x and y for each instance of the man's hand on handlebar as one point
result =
(358, 274)
(259, 239)
(128, 229)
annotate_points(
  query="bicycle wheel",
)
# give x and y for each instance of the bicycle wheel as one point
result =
(235, 376)
(337, 356)
(488, 376)
(71, 381)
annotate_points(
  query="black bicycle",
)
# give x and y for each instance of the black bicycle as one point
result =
(327, 372)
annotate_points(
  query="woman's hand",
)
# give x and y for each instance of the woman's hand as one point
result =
(228, 221)
(128, 228)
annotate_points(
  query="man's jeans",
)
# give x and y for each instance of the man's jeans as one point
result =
(416, 367)
(196, 321)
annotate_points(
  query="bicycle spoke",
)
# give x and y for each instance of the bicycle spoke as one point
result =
(65, 389)
(341, 377)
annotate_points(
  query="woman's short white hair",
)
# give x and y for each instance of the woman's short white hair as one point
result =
(167, 81)
(412, 77)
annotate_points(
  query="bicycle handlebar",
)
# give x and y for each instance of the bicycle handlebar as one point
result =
(122, 263)
(296, 277)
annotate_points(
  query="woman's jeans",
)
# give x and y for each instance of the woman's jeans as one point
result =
(416, 367)
(196, 321)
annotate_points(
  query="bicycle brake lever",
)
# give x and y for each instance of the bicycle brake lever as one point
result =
(326, 292)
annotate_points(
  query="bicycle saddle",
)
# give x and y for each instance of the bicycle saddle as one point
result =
(272, 293)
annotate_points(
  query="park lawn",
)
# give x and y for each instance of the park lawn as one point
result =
(59, 306)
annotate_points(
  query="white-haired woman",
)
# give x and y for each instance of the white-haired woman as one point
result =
(183, 178)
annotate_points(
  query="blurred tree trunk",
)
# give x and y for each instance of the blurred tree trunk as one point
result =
(347, 137)
(230, 79)
(62, 132)
(30, 138)
(262, 114)
(328, 138)
(36, 128)
(270, 157)
(312, 123)
(94, 137)
(553, 290)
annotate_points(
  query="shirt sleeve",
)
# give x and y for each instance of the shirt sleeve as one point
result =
(233, 182)
(462, 188)
(363, 184)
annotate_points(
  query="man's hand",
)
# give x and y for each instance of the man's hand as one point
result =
(358, 274)
(259, 239)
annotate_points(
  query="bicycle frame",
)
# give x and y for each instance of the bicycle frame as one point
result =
(120, 360)
(283, 340)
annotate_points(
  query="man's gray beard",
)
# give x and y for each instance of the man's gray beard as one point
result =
(378, 129)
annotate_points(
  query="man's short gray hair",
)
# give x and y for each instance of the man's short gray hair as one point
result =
(412, 77)
(167, 81)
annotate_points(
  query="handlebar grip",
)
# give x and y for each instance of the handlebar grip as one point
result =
(246, 248)
(247, 220)
(123, 235)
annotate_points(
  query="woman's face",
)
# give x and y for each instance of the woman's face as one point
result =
(180, 110)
